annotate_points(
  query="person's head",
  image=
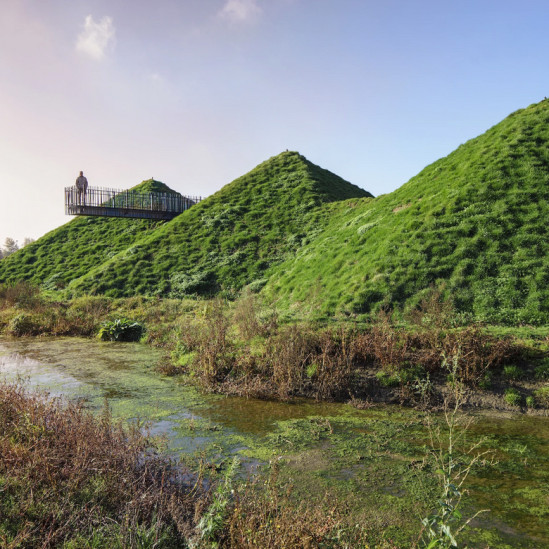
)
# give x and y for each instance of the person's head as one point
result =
(81, 173)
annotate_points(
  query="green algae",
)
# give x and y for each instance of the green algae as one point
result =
(95, 373)
(374, 462)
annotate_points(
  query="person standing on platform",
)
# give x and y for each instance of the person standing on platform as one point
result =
(81, 187)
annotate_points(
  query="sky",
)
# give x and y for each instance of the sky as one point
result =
(196, 93)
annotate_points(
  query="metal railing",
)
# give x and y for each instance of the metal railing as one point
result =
(117, 203)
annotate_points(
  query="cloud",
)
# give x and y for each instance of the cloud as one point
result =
(96, 38)
(240, 10)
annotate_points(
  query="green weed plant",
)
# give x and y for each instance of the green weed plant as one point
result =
(121, 329)
(444, 525)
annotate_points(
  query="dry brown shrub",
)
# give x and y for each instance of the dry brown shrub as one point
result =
(392, 348)
(209, 337)
(430, 341)
(79, 317)
(288, 353)
(303, 360)
(335, 360)
(22, 294)
(86, 313)
(265, 515)
(384, 343)
(475, 352)
(64, 471)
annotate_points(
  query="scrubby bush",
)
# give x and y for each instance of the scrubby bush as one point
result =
(242, 349)
(69, 479)
(207, 341)
(86, 313)
(389, 345)
(248, 353)
(22, 325)
(22, 294)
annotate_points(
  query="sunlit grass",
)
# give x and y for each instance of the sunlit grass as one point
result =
(473, 223)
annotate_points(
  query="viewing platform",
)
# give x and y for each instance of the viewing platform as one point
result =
(103, 202)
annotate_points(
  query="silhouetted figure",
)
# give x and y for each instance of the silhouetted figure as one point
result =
(81, 187)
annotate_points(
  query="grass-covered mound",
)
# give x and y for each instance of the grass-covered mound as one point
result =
(230, 239)
(152, 186)
(474, 222)
(70, 251)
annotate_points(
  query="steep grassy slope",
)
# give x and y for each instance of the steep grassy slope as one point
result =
(71, 250)
(476, 221)
(231, 238)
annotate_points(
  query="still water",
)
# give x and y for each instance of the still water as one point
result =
(123, 376)
(365, 451)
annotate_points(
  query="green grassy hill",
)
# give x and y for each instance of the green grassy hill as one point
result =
(475, 222)
(71, 250)
(230, 239)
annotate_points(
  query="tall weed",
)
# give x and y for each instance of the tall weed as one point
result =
(453, 459)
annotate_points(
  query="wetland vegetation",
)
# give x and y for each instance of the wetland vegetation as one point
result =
(315, 474)
(245, 347)
(295, 325)
(350, 474)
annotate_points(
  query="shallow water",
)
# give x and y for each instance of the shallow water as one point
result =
(95, 372)
(323, 444)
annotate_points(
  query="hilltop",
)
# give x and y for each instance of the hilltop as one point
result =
(473, 223)
(230, 239)
(152, 186)
(70, 251)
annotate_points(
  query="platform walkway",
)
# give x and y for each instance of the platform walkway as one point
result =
(103, 202)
